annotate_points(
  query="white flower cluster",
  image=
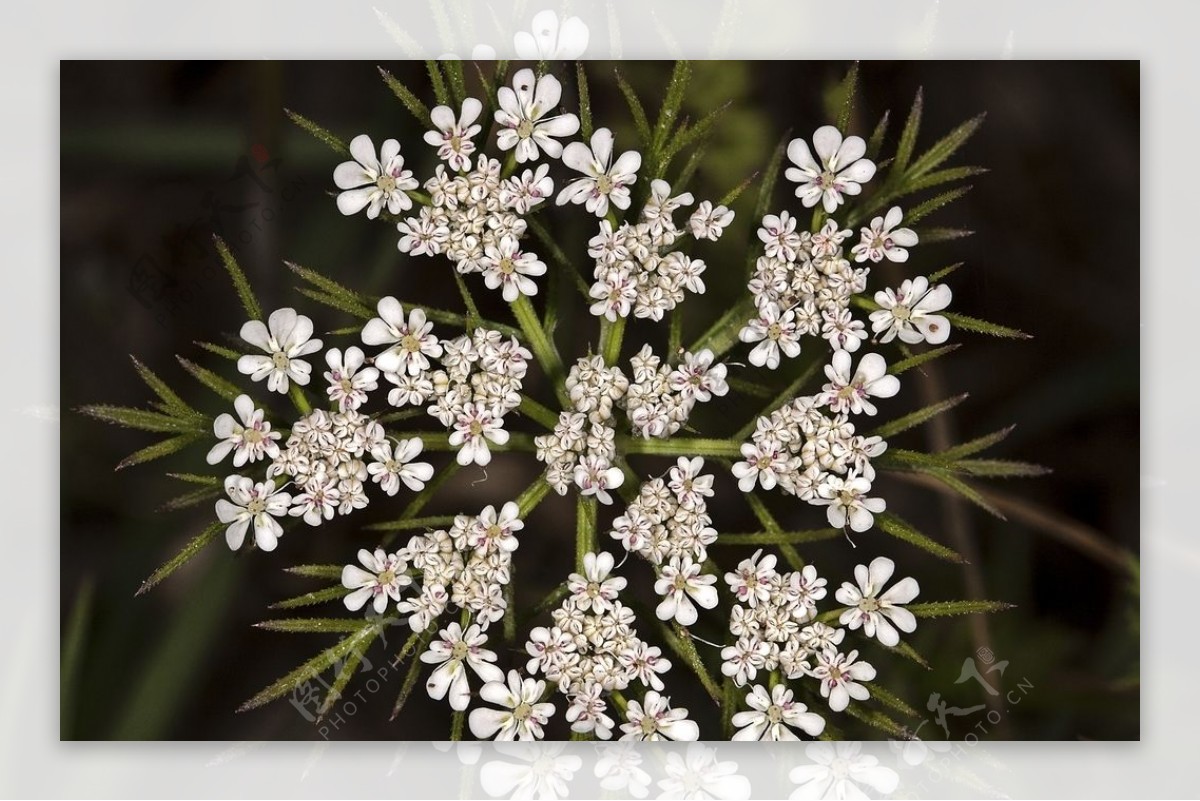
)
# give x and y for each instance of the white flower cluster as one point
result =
(774, 621)
(467, 566)
(592, 648)
(657, 402)
(668, 525)
(480, 381)
(637, 268)
(818, 457)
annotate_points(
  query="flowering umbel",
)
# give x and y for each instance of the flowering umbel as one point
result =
(417, 397)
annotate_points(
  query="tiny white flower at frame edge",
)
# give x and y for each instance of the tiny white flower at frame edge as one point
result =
(381, 581)
(452, 136)
(522, 715)
(548, 40)
(453, 652)
(523, 117)
(250, 502)
(370, 183)
(285, 338)
(250, 440)
(773, 715)
(604, 180)
(879, 615)
(841, 171)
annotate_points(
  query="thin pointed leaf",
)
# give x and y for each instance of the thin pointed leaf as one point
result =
(142, 419)
(908, 137)
(875, 143)
(954, 608)
(158, 450)
(412, 523)
(984, 327)
(940, 177)
(332, 142)
(878, 720)
(585, 102)
(226, 389)
(220, 350)
(923, 210)
(313, 625)
(640, 123)
(439, 85)
(696, 134)
(945, 147)
(345, 673)
(893, 525)
(931, 236)
(938, 275)
(457, 80)
(976, 445)
(779, 538)
(189, 499)
(410, 101)
(331, 287)
(414, 670)
(681, 74)
(678, 640)
(966, 490)
(885, 697)
(335, 302)
(335, 593)
(908, 652)
(193, 547)
(1001, 468)
(904, 365)
(730, 197)
(890, 429)
(316, 571)
(193, 478)
(171, 401)
(313, 667)
(240, 282)
(848, 91)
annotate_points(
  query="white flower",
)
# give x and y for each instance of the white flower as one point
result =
(453, 652)
(615, 292)
(618, 768)
(285, 338)
(779, 237)
(382, 580)
(689, 486)
(370, 183)
(349, 381)
(596, 476)
(411, 341)
(848, 502)
(680, 583)
(842, 170)
(774, 330)
(523, 119)
(453, 136)
(473, 427)
(594, 590)
(523, 714)
(837, 771)
(839, 675)
(842, 330)
(390, 468)
(742, 660)
(773, 714)
(698, 774)
(259, 503)
(410, 390)
(543, 771)
(698, 378)
(751, 583)
(909, 313)
(551, 42)
(846, 393)
(604, 181)
(707, 222)
(874, 612)
(494, 531)
(527, 190)
(653, 719)
(319, 500)
(765, 463)
(250, 440)
(883, 239)
(505, 265)
(587, 712)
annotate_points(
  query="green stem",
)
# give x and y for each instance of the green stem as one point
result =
(543, 349)
(531, 497)
(681, 446)
(456, 725)
(611, 335)
(298, 399)
(585, 529)
(537, 412)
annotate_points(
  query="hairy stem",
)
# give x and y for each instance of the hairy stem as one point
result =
(680, 446)
(543, 349)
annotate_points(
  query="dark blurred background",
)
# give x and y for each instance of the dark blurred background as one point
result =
(158, 156)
